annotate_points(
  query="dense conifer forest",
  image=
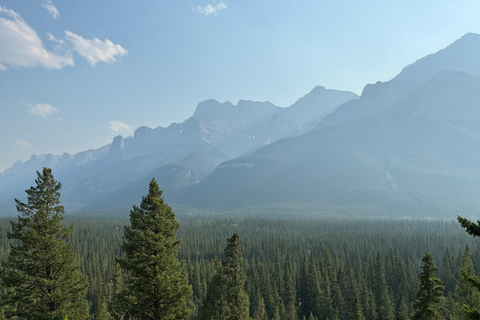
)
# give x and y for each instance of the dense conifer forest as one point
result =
(331, 268)
(153, 267)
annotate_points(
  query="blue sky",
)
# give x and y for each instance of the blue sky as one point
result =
(74, 74)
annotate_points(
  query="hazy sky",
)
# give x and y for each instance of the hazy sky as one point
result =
(74, 74)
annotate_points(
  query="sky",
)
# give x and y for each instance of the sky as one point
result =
(75, 74)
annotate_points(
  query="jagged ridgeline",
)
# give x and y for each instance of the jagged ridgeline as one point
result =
(406, 147)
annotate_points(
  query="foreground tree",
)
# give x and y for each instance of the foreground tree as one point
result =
(430, 293)
(155, 286)
(226, 298)
(41, 275)
(467, 296)
(474, 230)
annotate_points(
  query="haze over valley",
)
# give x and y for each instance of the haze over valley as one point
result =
(405, 147)
(247, 160)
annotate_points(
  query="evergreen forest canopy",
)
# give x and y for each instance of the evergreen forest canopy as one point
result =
(231, 268)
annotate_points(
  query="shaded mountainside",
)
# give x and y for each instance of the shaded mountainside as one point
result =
(410, 140)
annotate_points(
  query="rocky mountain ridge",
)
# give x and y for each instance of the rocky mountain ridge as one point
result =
(414, 138)
(405, 147)
(180, 154)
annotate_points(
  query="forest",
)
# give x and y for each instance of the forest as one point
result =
(236, 268)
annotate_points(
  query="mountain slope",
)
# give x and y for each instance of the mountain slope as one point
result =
(404, 138)
(180, 155)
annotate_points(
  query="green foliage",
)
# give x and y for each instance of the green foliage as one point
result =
(358, 314)
(467, 273)
(214, 306)
(260, 311)
(430, 293)
(380, 291)
(467, 295)
(102, 311)
(338, 249)
(226, 297)
(156, 287)
(41, 275)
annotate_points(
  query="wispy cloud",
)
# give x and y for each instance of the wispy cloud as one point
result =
(52, 38)
(212, 8)
(119, 126)
(20, 45)
(52, 10)
(23, 143)
(42, 109)
(95, 50)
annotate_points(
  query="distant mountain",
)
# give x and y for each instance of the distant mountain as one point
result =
(180, 155)
(409, 147)
(409, 140)
(379, 100)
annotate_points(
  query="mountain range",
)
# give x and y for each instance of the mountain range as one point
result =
(408, 147)
(180, 155)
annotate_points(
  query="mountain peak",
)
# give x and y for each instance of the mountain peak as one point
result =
(469, 37)
(116, 146)
(462, 55)
(210, 109)
(318, 89)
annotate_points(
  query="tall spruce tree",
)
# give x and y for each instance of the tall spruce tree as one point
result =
(466, 294)
(430, 293)
(42, 275)
(380, 290)
(226, 298)
(234, 277)
(474, 230)
(214, 304)
(155, 285)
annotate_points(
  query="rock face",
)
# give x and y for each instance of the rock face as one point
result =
(179, 155)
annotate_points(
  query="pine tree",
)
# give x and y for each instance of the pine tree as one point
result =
(260, 311)
(467, 295)
(234, 280)
(380, 290)
(430, 293)
(358, 314)
(311, 317)
(403, 313)
(214, 305)
(102, 311)
(266, 290)
(155, 285)
(41, 274)
(474, 230)
(226, 298)
(290, 292)
(446, 274)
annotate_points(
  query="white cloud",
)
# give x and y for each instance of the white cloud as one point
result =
(52, 38)
(95, 50)
(42, 109)
(212, 8)
(23, 143)
(52, 10)
(20, 45)
(119, 126)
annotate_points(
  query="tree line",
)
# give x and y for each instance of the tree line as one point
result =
(281, 269)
